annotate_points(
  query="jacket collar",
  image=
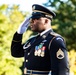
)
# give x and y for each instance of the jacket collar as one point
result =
(42, 33)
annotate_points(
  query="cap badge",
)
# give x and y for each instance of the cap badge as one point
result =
(33, 8)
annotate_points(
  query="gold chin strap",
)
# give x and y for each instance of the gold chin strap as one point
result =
(43, 12)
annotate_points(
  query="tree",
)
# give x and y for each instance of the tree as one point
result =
(65, 22)
(10, 19)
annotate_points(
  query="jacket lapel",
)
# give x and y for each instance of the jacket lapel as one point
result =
(39, 39)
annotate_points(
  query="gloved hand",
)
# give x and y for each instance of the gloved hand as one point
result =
(24, 25)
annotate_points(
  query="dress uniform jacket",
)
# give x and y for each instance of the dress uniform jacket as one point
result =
(44, 53)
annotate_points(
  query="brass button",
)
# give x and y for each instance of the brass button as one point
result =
(26, 60)
(28, 53)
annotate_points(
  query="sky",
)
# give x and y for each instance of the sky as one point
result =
(25, 5)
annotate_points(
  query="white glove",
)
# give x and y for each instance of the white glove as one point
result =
(24, 25)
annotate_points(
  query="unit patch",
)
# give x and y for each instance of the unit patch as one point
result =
(58, 38)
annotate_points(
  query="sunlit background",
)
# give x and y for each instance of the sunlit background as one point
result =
(13, 12)
(25, 5)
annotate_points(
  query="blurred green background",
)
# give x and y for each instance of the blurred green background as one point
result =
(10, 19)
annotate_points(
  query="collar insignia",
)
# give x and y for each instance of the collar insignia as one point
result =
(44, 36)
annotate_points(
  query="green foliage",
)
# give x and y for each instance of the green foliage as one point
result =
(10, 19)
(72, 58)
(65, 21)
(65, 24)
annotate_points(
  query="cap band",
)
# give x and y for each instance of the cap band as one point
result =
(42, 12)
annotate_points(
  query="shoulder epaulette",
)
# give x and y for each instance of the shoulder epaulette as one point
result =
(54, 34)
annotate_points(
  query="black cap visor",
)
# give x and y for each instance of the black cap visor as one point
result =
(37, 15)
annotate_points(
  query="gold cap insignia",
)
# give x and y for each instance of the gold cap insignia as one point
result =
(60, 54)
(33, 8)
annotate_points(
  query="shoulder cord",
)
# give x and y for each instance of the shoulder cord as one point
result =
(51, 42)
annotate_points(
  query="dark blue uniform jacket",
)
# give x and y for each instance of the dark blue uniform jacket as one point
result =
(44, 53)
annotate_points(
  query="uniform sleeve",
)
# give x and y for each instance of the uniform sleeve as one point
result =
(16, 46)
(59, 57)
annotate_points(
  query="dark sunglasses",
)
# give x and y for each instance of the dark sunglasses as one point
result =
(35, 17)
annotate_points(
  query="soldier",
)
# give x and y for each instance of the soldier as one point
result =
(46, 52)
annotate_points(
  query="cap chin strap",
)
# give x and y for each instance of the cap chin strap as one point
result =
(49, 16)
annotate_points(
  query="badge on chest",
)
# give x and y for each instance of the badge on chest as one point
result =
(40, 50)
(26, 46)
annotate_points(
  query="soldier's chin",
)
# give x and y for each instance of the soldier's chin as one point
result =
(34, 30)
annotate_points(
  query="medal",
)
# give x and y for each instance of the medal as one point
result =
(43, 51)
(39, 52)
(36, 51)
(40, 46)
(42, 54)
(43, 48)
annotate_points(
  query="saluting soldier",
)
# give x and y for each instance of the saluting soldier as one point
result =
(45, 52)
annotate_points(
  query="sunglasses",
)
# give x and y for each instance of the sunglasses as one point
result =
(35, 17)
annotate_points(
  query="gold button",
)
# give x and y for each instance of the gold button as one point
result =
(28, 53)
(26, 60)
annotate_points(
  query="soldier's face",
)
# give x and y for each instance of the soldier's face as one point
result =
(37, 25)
